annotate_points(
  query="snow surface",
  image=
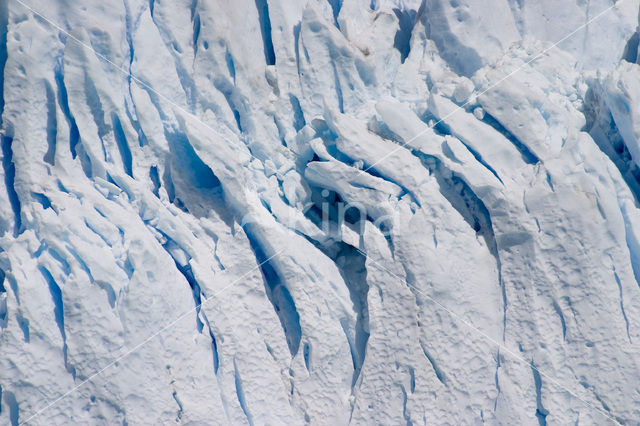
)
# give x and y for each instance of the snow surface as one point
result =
(175, 243)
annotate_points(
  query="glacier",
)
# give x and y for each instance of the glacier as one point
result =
(329, 212)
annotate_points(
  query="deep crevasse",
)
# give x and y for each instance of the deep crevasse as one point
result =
(174, 183)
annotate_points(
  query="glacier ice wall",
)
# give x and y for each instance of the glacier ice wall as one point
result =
(325, 212)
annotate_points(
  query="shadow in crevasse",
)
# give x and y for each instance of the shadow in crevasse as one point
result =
(630, 53)
(402, 39)
(631, 49)
(602, 127)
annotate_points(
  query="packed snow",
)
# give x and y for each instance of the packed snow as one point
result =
(319, 212)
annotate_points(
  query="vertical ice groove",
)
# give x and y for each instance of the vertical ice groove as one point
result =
(439, 374)
(405, 398)
(52, 125)
(155, 180)
(352, 267)
(23, 323)
(202, 322)
(527, 155)
(58, 310)
(336, 6)
(97, 111)
(187, 272)
(3, 314)
(185, 78)
(63, 101)
(474, 212)
(191, 166)
(4, 18)
(541, 412)
(631, 49)
(66, 268)
(194, 8)
(558, 310)
(443, 128)
(481, 160)
(123, 145)
(180, 408)
(196, 32)
(9, 180)
(214, 345)
(634, 251)
(231, 66)
(240, 393)
(296, 45)
(497, 381)
(402, 39)
(278, 295)
(131, 111)
(167, 180)
(265, 29)
(624, 314)
(183, 266)
(98, 233)
(298, 114)
(14, 409)
(633, 245)
(10, 279)
(232, 95)
(108, 289)
(80, 261)
(355, 357)
(602, 127)
(306, 352)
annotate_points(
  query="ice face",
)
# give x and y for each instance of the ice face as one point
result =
(325, 212)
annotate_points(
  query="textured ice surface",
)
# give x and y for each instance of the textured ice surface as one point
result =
(241, 212)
